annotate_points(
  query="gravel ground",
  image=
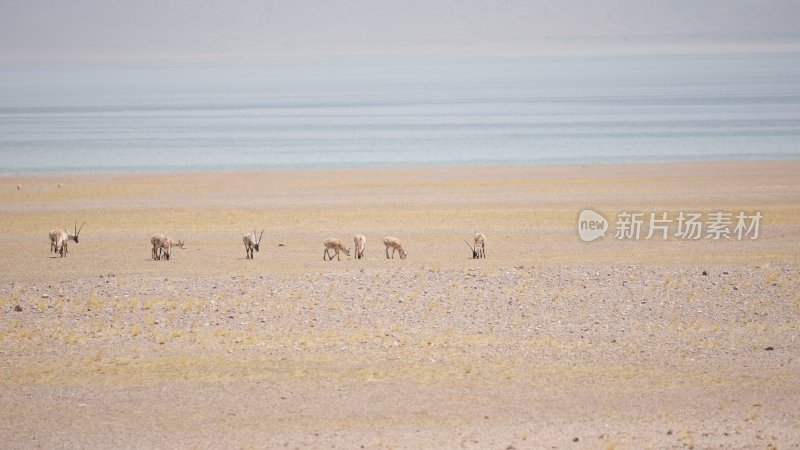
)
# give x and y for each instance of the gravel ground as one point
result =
(614, 356)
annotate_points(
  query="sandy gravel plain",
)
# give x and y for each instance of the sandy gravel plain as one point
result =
(550, 342)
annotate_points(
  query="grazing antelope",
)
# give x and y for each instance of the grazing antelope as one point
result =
(360, 242)
(53, 236)
(478, 248)
(251, 243)
(157, 240)
(162, 246)
(60, 238)
(480, 243)
(395, 245)
(335, 245)
(173, 243)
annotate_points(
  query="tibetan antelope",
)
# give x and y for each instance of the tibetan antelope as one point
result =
(395, 245)
(360, 242)
(162, 246)
(478, 248)
(251, 243)
(53, 236)
(173, 243)
(157, 240)
(54, 233)
(335, 245)
(60, 238)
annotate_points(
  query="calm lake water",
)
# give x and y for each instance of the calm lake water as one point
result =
(230, 116)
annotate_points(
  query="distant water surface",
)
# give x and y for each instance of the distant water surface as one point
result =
(232, 116)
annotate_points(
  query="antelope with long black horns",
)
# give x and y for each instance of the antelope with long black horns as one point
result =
(478, 248)
(251, 243)
(60, 238)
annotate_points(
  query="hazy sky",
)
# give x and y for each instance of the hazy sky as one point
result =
(191, 30)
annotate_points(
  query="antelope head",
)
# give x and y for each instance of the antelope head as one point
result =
(258, 241)
(179, 244)
(474, 253)
(347, 251)
(78, 230)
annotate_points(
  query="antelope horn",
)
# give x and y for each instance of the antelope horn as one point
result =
(259, 236)
(470, 247)
(79, 229)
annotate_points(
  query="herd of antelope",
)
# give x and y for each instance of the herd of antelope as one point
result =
(162, 245)
(360, 244)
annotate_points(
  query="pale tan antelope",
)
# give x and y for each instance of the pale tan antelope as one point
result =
(60, 238)
(53, 236)
(172, 243)
(478, 248)
(54, 233)
(251, 243)
(395, 245)
(480, 242)
(360, 242)
(336, 245)
(162, 246)
(157, 240)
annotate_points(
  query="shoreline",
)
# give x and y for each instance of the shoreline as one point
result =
(411, 167)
